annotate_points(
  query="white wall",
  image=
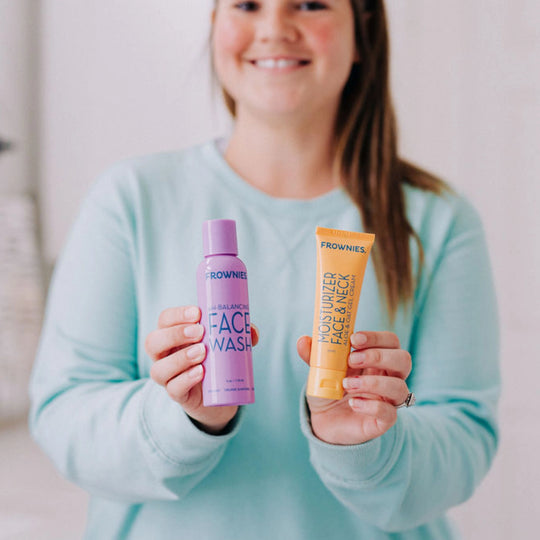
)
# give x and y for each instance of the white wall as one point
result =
(119, 78)
(129, 77)
(17, 95)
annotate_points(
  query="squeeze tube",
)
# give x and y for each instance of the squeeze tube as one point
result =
(342, 257)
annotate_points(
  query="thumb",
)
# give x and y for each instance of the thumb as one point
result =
(303, 346)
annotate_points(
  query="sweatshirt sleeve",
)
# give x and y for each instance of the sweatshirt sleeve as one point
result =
(106, 429)
(439, 450)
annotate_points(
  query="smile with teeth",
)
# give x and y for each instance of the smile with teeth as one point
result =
(279, 63)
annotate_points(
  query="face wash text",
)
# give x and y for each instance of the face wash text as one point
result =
(229, 330)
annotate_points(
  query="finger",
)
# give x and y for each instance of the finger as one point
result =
(254, 335)
(160, 343)
(303, 346)
(171, 366)
(396, 362)
(391, 389)
(179, 315)
(384, 413)
(179, 387)
(367, 340)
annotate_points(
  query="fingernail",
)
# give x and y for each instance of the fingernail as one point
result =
(356, 403)
(351, 382)
(358, 358)
(193, 331)
(191, 313)
(358, 339)
(195, 351)
(196, 372)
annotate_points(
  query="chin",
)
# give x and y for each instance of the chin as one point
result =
(279, 106)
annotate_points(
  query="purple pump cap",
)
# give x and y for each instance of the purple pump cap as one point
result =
(219, 237)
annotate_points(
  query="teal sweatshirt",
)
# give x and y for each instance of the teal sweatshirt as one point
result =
(151, 473)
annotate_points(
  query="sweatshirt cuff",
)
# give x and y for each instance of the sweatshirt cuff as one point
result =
(173, 435)
(357, 465)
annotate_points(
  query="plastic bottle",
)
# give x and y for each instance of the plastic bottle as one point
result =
(223, 299)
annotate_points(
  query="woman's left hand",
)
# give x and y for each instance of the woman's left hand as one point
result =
(374, 387)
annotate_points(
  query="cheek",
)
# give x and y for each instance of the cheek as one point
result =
(231, 39)
(327, 39)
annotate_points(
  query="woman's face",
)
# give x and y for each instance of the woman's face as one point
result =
(284, 56)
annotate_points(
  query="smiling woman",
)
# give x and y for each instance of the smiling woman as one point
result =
(285, 58)
(117, 387)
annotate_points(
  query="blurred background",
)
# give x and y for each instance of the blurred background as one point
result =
(86, 83)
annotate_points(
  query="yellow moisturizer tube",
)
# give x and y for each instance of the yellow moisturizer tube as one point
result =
(341, 262)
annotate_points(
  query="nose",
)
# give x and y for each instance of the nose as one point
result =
(277, 25)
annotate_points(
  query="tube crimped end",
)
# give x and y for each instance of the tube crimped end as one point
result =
(325, 383)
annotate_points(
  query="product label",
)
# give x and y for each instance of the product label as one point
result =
(229, 328)
(337, 298)
(343, 247)
(226, 274)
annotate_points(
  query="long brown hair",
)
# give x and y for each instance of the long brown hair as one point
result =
(366, 156)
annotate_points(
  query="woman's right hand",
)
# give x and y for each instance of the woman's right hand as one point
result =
(178, 354)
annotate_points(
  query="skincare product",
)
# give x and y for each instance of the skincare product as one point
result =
(223, 299)
(341, 262)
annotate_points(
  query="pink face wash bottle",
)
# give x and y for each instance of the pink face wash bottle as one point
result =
(223, 299)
